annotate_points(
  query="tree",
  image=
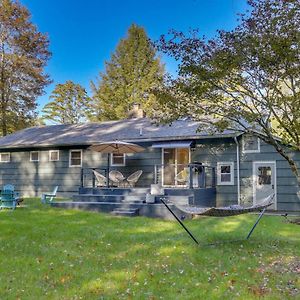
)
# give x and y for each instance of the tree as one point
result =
(70, 105)
(129, 77)
(23, 56)
(247, 79)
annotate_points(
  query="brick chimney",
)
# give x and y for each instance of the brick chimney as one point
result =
(136, 112)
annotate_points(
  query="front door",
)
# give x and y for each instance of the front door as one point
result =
(175, 165)
(264, 181)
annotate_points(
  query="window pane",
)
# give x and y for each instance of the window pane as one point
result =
(225, 169)
(169, 159)
(118, 159)
(250, 143)
(76, 158)
(225, 173)
(75, 162)
(5, 157)
(76, 155)
(54, 155)
(34, 156)
(264, 175)
(225, 177)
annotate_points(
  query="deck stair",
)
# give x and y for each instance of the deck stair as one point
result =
(128, 201)
(112, 195)
(125, 212)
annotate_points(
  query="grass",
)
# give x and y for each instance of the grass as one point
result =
(49, 253)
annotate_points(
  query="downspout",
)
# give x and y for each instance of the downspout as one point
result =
(238, 169)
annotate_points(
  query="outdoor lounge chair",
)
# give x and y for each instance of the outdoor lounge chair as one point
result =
(116, 177)
(134, 178)
(232, 210)
(101, 180)
(8, 199)
(11, 188)
(182, 176)
(48, 198)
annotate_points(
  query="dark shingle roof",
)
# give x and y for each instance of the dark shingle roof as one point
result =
(91, 133)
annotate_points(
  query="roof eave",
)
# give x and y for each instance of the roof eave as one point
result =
(141, 139)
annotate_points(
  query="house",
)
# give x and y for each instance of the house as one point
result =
(240, 169)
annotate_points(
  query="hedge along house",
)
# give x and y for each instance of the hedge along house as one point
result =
(239, 169)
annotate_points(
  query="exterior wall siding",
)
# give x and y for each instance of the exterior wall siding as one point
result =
(287, 187)
(212, 151)
(34, 178)
(224, 150)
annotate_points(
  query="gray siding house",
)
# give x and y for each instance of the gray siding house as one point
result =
(244, 169)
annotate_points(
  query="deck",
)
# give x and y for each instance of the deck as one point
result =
(138, 201)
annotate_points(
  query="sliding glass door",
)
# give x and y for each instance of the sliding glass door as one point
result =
(175, 166)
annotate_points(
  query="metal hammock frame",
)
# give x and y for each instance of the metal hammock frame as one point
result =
(220, 212)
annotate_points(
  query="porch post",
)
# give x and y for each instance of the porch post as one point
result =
(93, 179)
(107, 174)
(204, 176)
(155, 175)
(191, 186)
(213, 179)
(81, 178)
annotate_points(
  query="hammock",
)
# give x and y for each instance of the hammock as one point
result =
(228, 211)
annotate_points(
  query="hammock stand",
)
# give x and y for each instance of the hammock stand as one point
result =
(220, 212)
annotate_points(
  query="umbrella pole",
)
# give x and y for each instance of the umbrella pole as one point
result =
(107, 175)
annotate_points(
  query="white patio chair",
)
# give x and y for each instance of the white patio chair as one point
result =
(182, 176)
(134, 177)
(116, 177)
(101, 180)
(48, 198)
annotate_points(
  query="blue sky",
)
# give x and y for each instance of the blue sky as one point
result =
(83, 34)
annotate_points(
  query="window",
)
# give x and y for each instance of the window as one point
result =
(117, 159)
(251, 144)
(4, 157)
(75, 158)
(53, 155)
(34, 156)
(225, 173)
(264, 175)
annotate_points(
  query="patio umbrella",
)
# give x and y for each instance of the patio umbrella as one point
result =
(115, 147)
(118, 147)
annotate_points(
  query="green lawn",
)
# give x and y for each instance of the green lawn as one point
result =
(49, 253)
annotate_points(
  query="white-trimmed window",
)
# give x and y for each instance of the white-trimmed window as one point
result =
(34, 156)
(225, 173)
(75, 158)
(5, 157)
(251, 144)
(54, 155)
(118, 159)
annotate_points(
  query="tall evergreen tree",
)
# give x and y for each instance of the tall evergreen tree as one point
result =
(70, 105)
(129, 77)
(23, 56)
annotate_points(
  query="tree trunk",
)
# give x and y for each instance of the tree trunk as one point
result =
(3, 114)
(290, 161)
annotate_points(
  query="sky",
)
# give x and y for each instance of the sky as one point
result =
(84, 34)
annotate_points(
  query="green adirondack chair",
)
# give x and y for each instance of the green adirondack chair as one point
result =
(8, 199)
